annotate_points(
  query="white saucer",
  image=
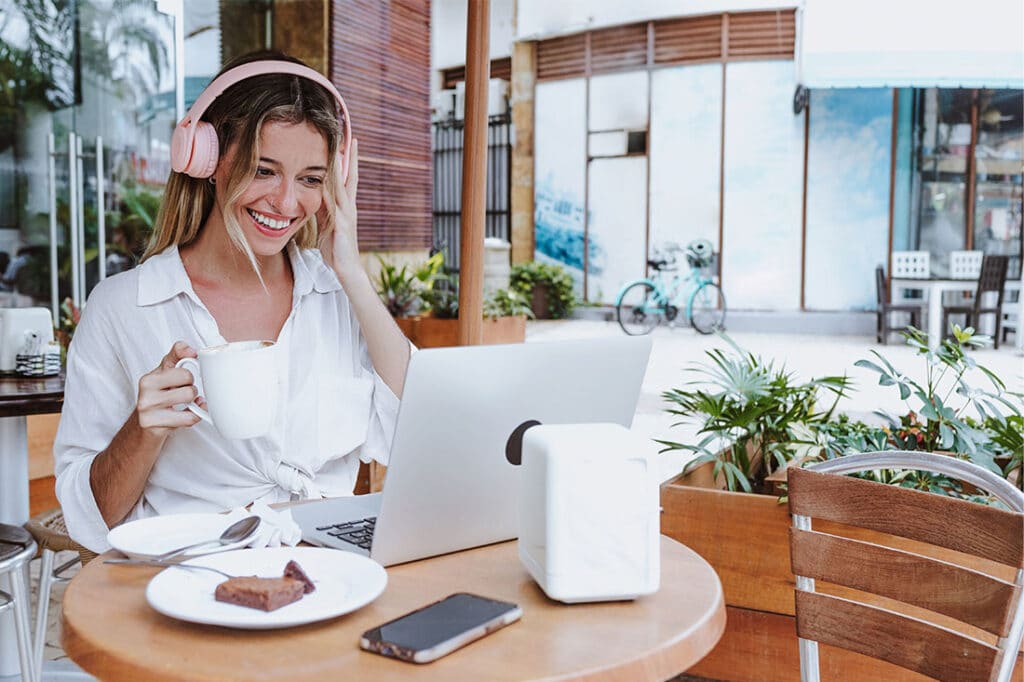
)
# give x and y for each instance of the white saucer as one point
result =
(344, 582)
(156, 535)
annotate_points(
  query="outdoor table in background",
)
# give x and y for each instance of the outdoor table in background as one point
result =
(19, 397)
(109, 629)
(934, 288)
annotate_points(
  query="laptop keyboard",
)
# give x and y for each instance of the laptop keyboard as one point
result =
(359, 532)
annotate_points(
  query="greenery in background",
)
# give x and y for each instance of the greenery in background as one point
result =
(750, 400)
(506, 303)
(746, 407)
(432, 288)
(553, 278)
(405, 290)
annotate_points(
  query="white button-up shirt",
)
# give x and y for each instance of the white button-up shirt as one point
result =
(336, 409)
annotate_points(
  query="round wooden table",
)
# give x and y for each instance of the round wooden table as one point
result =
(110, 630)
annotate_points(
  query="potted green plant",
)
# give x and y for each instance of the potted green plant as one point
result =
(547, 286)
(745, 536)
(425, 303)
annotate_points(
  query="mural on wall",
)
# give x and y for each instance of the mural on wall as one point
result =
(558, 220)
(685, 150)
(848, 161)
(560, 135)
(764, 145)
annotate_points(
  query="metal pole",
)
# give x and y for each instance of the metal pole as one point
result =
(82, 288)
(51, 148)
(101, 217)
(73, 216)
(474, 175)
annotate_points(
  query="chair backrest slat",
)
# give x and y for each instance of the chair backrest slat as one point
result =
(967, 595)
(967, 527)
(992, 279)
(901, 640)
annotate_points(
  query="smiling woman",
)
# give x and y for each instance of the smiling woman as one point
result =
(255, 240)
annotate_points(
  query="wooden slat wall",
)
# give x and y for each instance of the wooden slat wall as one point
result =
(564, 57)
(762, 34)
(380, 61)
(500, 68)
(750, 35)
(616, 49)
(688, 40)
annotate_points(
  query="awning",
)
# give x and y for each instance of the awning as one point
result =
(902, 43)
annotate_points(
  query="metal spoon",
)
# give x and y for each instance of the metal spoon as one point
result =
(237, 531)
(168, 564)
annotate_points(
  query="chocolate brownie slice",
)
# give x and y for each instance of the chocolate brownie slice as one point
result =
(293, 570)
(267, 594)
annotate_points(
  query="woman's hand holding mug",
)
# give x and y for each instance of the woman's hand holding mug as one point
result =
(162, 389)
(240, 384)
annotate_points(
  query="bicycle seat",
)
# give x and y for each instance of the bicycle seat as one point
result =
(661, 264)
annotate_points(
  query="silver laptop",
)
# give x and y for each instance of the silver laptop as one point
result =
(449, 486)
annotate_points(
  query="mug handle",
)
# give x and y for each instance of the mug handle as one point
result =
(192, 365)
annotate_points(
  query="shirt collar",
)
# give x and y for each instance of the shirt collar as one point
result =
(310, 271)
(163, 276)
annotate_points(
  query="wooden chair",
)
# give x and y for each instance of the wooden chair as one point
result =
(987, 605)
(885, 309)
(991, 283)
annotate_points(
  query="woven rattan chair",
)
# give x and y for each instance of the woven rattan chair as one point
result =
(51, 535)
(913, 606)
(16, 549)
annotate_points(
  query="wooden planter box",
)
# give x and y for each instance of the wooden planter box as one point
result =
(745, 537)
(432, 332)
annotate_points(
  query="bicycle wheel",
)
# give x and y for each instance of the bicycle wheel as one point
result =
(638, 310)
(707, 308)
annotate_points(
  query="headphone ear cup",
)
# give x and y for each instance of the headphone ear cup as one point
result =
(205, 151)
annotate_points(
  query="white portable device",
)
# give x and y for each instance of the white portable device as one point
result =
(589, 512)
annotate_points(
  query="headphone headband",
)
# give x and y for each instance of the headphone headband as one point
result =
(186, 157)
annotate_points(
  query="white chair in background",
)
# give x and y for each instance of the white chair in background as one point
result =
(910, 265)
(965, 264)
(913, 264)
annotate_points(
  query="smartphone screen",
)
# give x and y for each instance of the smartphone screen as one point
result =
(439, 628)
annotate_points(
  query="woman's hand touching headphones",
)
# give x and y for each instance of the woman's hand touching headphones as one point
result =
(338, 244)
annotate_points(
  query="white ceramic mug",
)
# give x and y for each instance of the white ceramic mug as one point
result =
(240, 384)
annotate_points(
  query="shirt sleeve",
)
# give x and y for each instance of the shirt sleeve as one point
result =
(98, 397)
(383, 412)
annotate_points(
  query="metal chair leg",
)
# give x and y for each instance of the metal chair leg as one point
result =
(22, 624)
(42, 605)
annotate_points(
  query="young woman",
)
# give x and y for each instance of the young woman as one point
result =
(234, 257)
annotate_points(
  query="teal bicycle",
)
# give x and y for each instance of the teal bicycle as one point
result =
(643, 303)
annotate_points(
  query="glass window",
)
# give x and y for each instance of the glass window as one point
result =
(686, 138)
(999, 158)
(849, 153)
(944, 124)
(764, 144)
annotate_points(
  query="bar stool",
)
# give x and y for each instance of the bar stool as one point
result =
(49, 531)
(17, 547)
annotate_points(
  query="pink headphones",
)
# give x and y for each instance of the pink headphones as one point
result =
(194, 148)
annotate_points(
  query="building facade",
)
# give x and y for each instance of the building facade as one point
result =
(645, 124)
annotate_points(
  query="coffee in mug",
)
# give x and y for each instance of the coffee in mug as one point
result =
(240, 384)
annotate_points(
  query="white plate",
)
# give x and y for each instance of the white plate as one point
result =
(344, 582)
(156, 535)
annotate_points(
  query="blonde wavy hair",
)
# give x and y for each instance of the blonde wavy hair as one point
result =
(238, 115)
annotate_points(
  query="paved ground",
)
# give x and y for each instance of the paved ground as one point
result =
(807, 356)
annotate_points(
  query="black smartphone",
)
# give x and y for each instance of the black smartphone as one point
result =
(429, 633)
